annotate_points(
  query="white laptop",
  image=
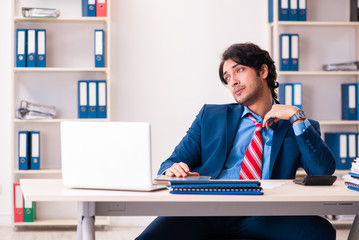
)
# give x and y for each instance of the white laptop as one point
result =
(107, 155)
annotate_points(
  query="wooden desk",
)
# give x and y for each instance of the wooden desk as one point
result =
(287, 199)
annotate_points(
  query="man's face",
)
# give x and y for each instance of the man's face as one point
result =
(243, 82)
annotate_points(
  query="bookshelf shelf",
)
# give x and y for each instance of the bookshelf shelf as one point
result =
(318, 73)
(100, 221)
(62, 20)
(38, 172)
(316, 24)
(338, 122)
(59, 120)
(59, 69)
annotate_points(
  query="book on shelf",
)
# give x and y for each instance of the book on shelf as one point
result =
(354, 10)
(291, 94)
(30, 50)
(288, 10)
(18, 203)
(350, 101)
(92, 98)
(94, 8)
(24, 210)
(344, 146)
(29, 150)
(289, 52)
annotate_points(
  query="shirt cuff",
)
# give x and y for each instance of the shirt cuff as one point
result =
(299, 128)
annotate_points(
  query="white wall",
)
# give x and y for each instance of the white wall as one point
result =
(166, 56)
(165, 61)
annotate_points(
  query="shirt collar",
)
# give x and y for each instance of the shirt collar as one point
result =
(257, 117)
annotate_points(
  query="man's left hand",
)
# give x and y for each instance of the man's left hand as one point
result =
(278, 112)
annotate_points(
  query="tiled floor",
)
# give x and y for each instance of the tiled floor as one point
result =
(118, 233)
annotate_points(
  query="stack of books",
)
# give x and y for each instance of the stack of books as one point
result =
(221, 187)
(352, 178)
(344, 146)
(289, 10)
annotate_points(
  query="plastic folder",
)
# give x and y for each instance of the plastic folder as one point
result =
(92, 99)
(302, 10)
(89, 8)
(41, 47)
(29, 211)
(35, 150)
(82, 99)
(99, 48)
(293, 12)
(349, 101)
(23, 150)
(21, 39)
(31, 48)
(101, 99)
(101, 9)
(339, 144)
(284, 52)
(284, 10)
(220, 187)
(18, 203)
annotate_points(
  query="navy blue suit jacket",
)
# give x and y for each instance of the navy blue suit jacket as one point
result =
(209, 141)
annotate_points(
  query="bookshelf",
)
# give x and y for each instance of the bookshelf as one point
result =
(69, 58)
(324, 38)
(311, 75)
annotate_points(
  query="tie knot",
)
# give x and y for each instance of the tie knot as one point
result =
(258, 125)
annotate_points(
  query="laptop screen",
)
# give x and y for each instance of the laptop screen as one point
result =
(106, 155)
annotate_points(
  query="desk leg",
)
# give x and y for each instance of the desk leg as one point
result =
(86, 221)
(79, 223)
(354, 231)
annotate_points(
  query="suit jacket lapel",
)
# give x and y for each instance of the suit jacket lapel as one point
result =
(234, 114)
(280, 130)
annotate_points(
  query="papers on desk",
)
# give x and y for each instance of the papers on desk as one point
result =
(271, 184)
(164, 180)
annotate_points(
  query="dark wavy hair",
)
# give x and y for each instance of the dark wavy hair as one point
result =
(251, 55)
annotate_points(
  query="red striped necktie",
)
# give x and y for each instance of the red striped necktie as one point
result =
(252, 162)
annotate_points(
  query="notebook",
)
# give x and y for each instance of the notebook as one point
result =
(222, 187)
(107, 155)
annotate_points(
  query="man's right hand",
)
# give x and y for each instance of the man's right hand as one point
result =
(180, 170)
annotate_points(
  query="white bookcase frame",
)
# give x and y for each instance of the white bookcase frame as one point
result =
(18, 20)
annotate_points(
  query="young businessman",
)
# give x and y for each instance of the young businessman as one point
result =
(255, 138)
